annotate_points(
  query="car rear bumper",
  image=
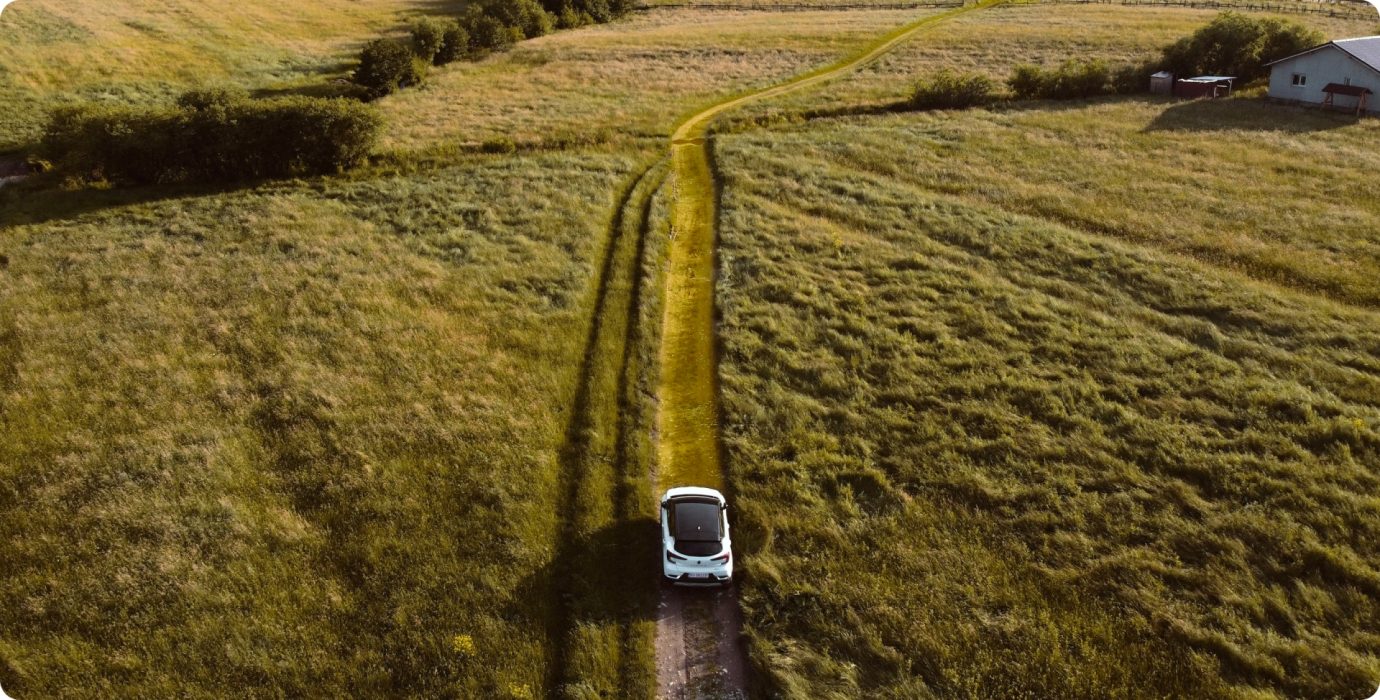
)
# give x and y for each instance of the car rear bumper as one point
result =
(692, 575)
(696, 580)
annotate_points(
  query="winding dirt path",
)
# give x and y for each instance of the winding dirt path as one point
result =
(699, 641)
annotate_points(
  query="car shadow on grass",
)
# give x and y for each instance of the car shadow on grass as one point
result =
(606, 576)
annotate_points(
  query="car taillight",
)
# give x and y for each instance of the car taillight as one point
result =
(724, 557)
(672, 556)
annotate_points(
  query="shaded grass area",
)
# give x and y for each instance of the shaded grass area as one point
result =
(301, 438)
(602, 628)
(149, 51)
(1019, 459)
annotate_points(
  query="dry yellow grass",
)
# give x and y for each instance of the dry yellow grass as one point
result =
(638, 76)
(688, 444)
(992, 43)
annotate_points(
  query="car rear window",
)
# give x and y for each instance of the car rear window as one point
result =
(697, 522)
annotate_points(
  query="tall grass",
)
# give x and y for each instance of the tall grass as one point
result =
(146, 52)
(298, 439)
(982, 450)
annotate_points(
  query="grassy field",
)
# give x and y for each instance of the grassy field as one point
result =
(994, 42)
(350, 435)
(303, 436)
(1039, 425)
(638, 76)
(148, 51)
(1033, 421)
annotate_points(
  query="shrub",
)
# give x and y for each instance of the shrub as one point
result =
(1132, 79)
(948, 90)
(593, 10)
(1071, 80)
(1027, 82)
(214, 136)
(211, 98)
(385, 66)
(1234, 44)
(455, 44)
(501, 144)
(1074, 79)
(428, 38)
(570, 19)
(526, 16)
(489, 34)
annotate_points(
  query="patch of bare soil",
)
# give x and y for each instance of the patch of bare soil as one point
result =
(699, 645)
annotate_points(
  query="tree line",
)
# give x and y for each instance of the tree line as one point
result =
(1232, 44)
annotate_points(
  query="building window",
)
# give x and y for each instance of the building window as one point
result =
(1300, 79)
(1346, 81)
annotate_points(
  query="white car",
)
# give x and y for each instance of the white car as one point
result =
(696, 549)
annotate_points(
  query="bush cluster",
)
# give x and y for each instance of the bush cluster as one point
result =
(386, 66)
(212, 136)
(1237, 45)
(1232, 44)
(1070, 80)
(949, 90)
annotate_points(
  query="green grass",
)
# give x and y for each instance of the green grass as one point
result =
(297, 437)
(350, 435)
(1025, 453)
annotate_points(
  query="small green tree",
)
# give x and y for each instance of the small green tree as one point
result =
(385, 66)
(455, 44)
(428, 39)
(489, 34)
(526, 15)
(1238, 45)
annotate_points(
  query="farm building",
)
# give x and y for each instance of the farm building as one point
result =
(1204, 86)
(1344, 74)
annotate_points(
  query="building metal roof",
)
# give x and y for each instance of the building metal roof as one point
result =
(1211, 78)
(1365, 49)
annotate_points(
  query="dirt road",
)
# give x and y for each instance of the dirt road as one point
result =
(699, 647)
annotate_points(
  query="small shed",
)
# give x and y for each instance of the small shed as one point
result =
(1358, 93)
(1211, 86)
(1162, 83)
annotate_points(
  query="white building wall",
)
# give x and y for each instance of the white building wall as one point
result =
(1326, 65)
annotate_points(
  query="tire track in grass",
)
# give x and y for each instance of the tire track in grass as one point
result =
(688, 446)
(589, 624)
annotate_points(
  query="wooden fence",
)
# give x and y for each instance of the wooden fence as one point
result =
(1344, 9)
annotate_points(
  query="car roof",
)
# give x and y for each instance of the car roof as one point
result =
(697, 519)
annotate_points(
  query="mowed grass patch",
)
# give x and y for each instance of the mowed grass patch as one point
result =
(980, 453)
(149, 51)
(637, 76)
(995, 41)
(296, 439)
